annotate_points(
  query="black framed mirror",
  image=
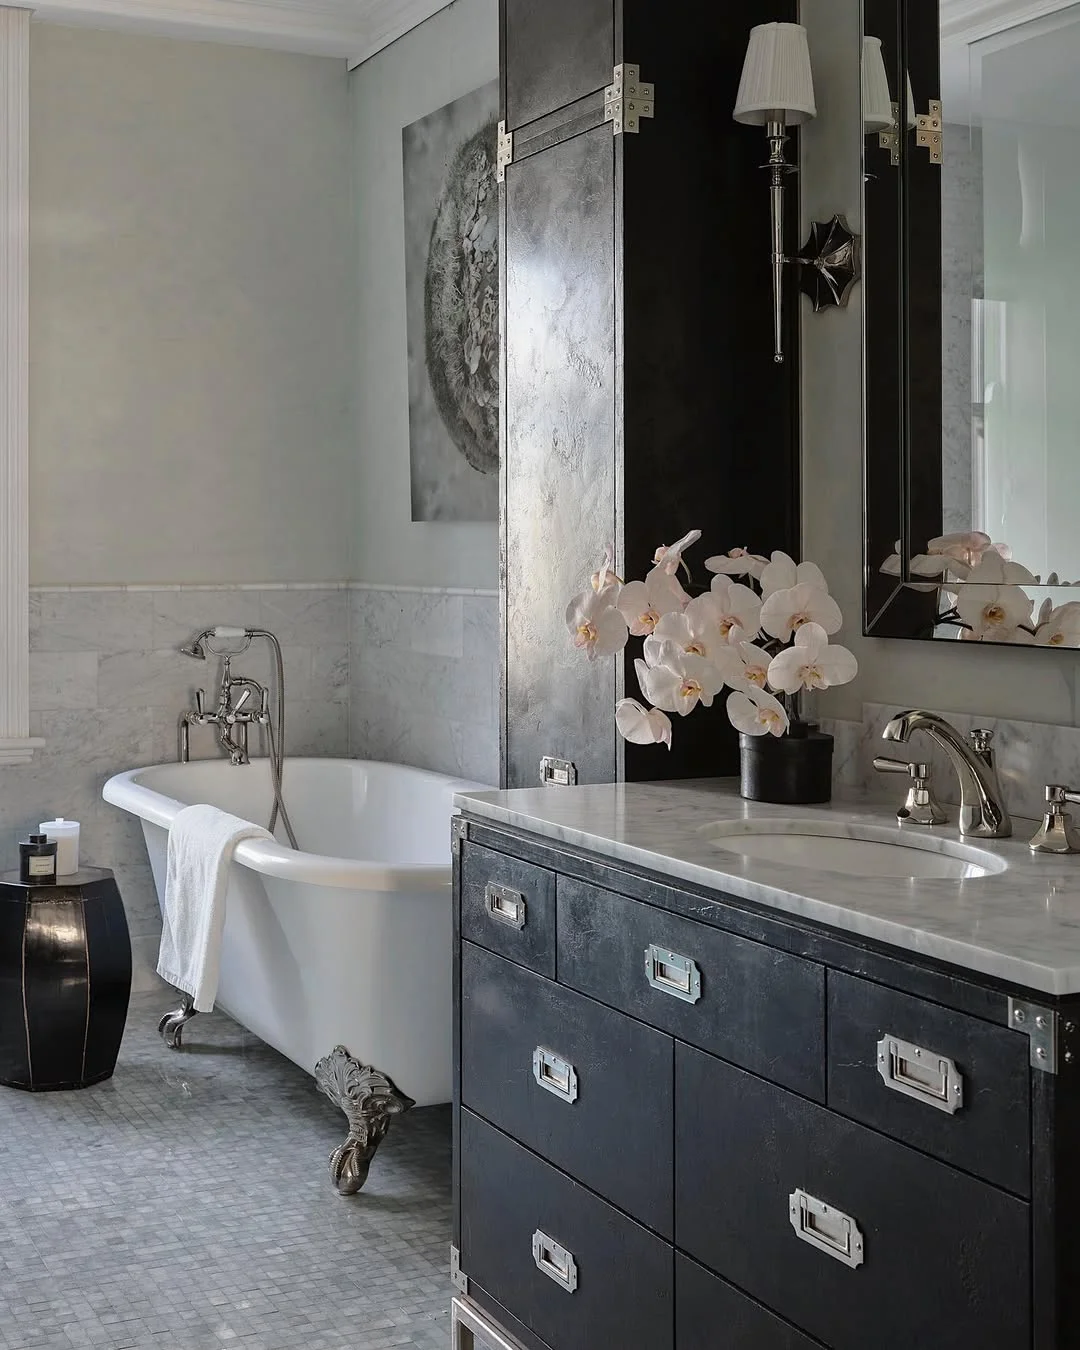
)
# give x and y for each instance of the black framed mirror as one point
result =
(972, 321)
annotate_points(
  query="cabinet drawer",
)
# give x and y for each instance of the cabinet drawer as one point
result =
(753, 1005)
(576, 1272)
(944, 1260)
(602, 1109)
(508, 906)
(952, 1085)
(703, 1303)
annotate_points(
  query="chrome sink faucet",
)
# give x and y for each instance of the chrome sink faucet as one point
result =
(983, 813)
(234, 714)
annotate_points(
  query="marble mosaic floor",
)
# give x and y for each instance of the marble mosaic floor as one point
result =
(185, 1205)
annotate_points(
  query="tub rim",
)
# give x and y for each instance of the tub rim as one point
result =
(272, 859)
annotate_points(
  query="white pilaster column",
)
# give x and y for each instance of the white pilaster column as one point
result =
(16, 746)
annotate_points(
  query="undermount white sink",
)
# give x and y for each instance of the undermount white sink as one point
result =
(856, 851)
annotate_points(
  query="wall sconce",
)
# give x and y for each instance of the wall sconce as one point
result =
(777, 91)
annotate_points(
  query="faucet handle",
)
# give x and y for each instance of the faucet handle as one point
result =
(1057, 834)
(982, 740)
(200, 702)
(920, 807)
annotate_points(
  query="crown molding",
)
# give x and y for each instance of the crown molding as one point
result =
(352, 29)
(971, 20)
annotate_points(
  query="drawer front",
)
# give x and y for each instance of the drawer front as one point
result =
(576, 1272)
(585, 1087)
(508, 906)
(757, 1007)
(936, 1260)
(703, 1303)
(952, 1085)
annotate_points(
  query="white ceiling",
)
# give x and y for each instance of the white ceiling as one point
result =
(353, 29)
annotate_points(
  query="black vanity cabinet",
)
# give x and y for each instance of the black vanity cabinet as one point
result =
(640, 398)
(685, 1122)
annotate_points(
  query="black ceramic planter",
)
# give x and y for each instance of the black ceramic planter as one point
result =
(790, 770)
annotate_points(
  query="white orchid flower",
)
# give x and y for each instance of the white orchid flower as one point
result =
(994, 613)
(644, 603)
(782, 573)
(785, 612)
(737, 562)
(669, 558)
(965, 547)
(811, 663)
(1061, 627)
(742, 663)
(757, 713)
(729, 605)
(606, 581)
(643, 726)
(994, 570)
(595, 625)
(680, 680)
(694, 631)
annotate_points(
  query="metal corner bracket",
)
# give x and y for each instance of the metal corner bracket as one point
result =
(627, 99)
(459, 832)
(504, 151)
(458, 1278)
(929, 128)
(1040, 1025)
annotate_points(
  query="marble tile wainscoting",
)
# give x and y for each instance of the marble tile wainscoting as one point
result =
(108, 683)
(424, 682)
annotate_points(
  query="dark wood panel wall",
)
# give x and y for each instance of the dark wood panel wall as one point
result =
(640, 397)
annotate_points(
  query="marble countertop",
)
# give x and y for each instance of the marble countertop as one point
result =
(1021, 924)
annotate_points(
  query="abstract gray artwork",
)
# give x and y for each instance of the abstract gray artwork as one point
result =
(452, 308)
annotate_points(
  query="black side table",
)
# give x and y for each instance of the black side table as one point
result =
(65, 980)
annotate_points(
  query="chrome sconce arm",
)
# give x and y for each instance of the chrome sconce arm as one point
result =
(777, 91)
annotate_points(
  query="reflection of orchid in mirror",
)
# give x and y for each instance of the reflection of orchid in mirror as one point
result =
(981, 592)
(728, 636)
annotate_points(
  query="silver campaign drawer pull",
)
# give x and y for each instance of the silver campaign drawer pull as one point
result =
(672, 974)
(505, 905)
(825, 1228)
(554, 1261)
(922, 1074)
(555, 1074)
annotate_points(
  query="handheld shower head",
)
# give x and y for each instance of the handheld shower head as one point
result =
(199, 649)
(196, 648)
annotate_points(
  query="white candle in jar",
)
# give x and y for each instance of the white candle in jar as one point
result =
(66, 835)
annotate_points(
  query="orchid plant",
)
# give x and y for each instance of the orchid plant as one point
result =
(991, 605)
(761, 630)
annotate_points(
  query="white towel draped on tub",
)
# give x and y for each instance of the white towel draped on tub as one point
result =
(201, 844)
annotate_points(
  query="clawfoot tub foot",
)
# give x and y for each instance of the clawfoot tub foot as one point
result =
(370, 1101)
(171, 1027)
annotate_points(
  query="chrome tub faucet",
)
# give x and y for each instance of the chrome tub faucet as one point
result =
(983, 813)
(241, 703)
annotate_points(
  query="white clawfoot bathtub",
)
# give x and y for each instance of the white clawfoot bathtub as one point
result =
(346, 943)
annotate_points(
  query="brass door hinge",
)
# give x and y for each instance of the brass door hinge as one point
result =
(929, 131)
(504, 151)
(890, 139)
(627, 99)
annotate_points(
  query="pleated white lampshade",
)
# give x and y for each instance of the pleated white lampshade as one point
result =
(876, 95)
(776, 77)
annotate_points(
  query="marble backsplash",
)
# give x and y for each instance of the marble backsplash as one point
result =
(1028, 755)
(424, 681)
(107, 685)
